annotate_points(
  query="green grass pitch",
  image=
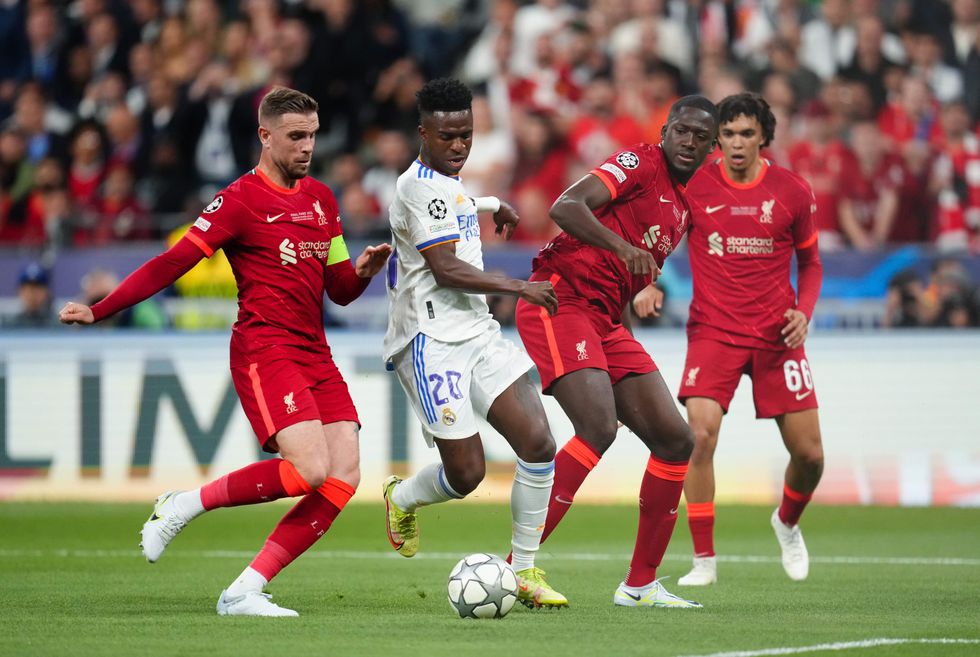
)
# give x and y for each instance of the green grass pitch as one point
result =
(72, 583)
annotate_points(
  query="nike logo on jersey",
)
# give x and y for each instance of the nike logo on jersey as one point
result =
(711, 209)
(562, 500)
(665, 200)
(271, 218)
(801, 396)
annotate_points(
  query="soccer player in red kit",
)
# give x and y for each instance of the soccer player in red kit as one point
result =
(620, 222)
(748, 217)
(281, 232)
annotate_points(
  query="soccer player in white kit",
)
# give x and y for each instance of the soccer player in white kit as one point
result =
(447, 350)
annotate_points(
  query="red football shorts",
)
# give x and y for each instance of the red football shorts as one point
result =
(577, 338)
(781, 380)
(279, 392)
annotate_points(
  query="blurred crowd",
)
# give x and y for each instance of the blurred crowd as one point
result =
(119, 119)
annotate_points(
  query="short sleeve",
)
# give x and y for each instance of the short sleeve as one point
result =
(625, 172)
(217, 224)
(431, 215)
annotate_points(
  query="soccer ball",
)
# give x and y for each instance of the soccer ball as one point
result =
(482, 586)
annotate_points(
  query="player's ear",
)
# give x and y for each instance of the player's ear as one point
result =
(264, 134)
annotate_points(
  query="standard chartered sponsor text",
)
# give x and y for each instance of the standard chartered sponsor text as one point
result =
(748, 245)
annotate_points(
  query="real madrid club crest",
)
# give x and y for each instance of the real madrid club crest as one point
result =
(448, 417)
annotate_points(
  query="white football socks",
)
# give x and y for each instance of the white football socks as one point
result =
(249, 580)
(188, 504)
(529, 508)
(427, 486)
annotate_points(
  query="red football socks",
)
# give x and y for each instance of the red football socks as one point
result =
(260, 482)
(660, 494)
(302, 526)
(791, 508)
(701, 520)
(573, 463)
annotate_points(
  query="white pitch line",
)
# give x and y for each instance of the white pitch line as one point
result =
(443, 556)
(840, 645)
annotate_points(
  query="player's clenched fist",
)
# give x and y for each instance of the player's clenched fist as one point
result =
(76, 313)
(541, 293)
(648, 302)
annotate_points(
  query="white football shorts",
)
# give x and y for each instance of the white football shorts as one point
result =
(449, 383)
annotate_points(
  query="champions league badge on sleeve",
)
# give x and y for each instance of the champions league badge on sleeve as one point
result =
(437, 209)
(628, 160)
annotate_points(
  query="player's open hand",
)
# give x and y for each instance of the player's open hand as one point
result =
(797, 326)
(541, 293)
(371, 260)
(639, 261)
(648, 302)
(506, 219)
(76, 313)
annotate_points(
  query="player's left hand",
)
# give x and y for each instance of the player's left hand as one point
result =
(506, 219)
(648, 302)
(797, 326)
(372, 260)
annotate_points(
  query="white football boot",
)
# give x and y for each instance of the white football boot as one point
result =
(162, 526)
(651, 595)
(796, 560)
(252, 603)
(704, 572)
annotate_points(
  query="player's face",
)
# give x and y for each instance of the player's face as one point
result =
(687, 140)
(446, 140)
(740, 141)
(289, 141)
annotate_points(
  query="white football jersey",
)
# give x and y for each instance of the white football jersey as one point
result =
(430, 208)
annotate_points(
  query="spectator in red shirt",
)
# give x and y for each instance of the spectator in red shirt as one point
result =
(870, 208)
(543, 161)
(825, 162)
(602, 127)
(955, 179)
(87, 168)
(913, 115)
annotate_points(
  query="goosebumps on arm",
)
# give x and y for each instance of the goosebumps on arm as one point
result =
(150, 278)
(342, 283)
(809, 277)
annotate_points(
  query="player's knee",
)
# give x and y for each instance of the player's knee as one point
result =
(677, 442)
(313, 474)
(601, 433)
(464, 480)
(705, 442)
(350, 476)
(540, 445)
(810, 459)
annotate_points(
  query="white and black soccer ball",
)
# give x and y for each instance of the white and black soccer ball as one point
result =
(482, 586)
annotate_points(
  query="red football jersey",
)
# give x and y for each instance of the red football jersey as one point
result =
(740, 244)
(279, 242)
(646, 209)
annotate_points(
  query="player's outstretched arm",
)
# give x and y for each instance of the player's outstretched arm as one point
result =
(151, 277)
(450, 271)
(572, 211)
(372, 260)
(344, 282)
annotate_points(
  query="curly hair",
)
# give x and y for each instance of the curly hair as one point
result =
(444, 95)
(753, 106)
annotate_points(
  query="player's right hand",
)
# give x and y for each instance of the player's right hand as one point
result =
(639, 261)
(648, 302)
(541, 293)
(76, 313)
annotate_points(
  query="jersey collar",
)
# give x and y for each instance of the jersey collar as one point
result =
(747, 185)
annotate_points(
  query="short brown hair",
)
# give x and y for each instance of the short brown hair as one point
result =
(283, 100)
